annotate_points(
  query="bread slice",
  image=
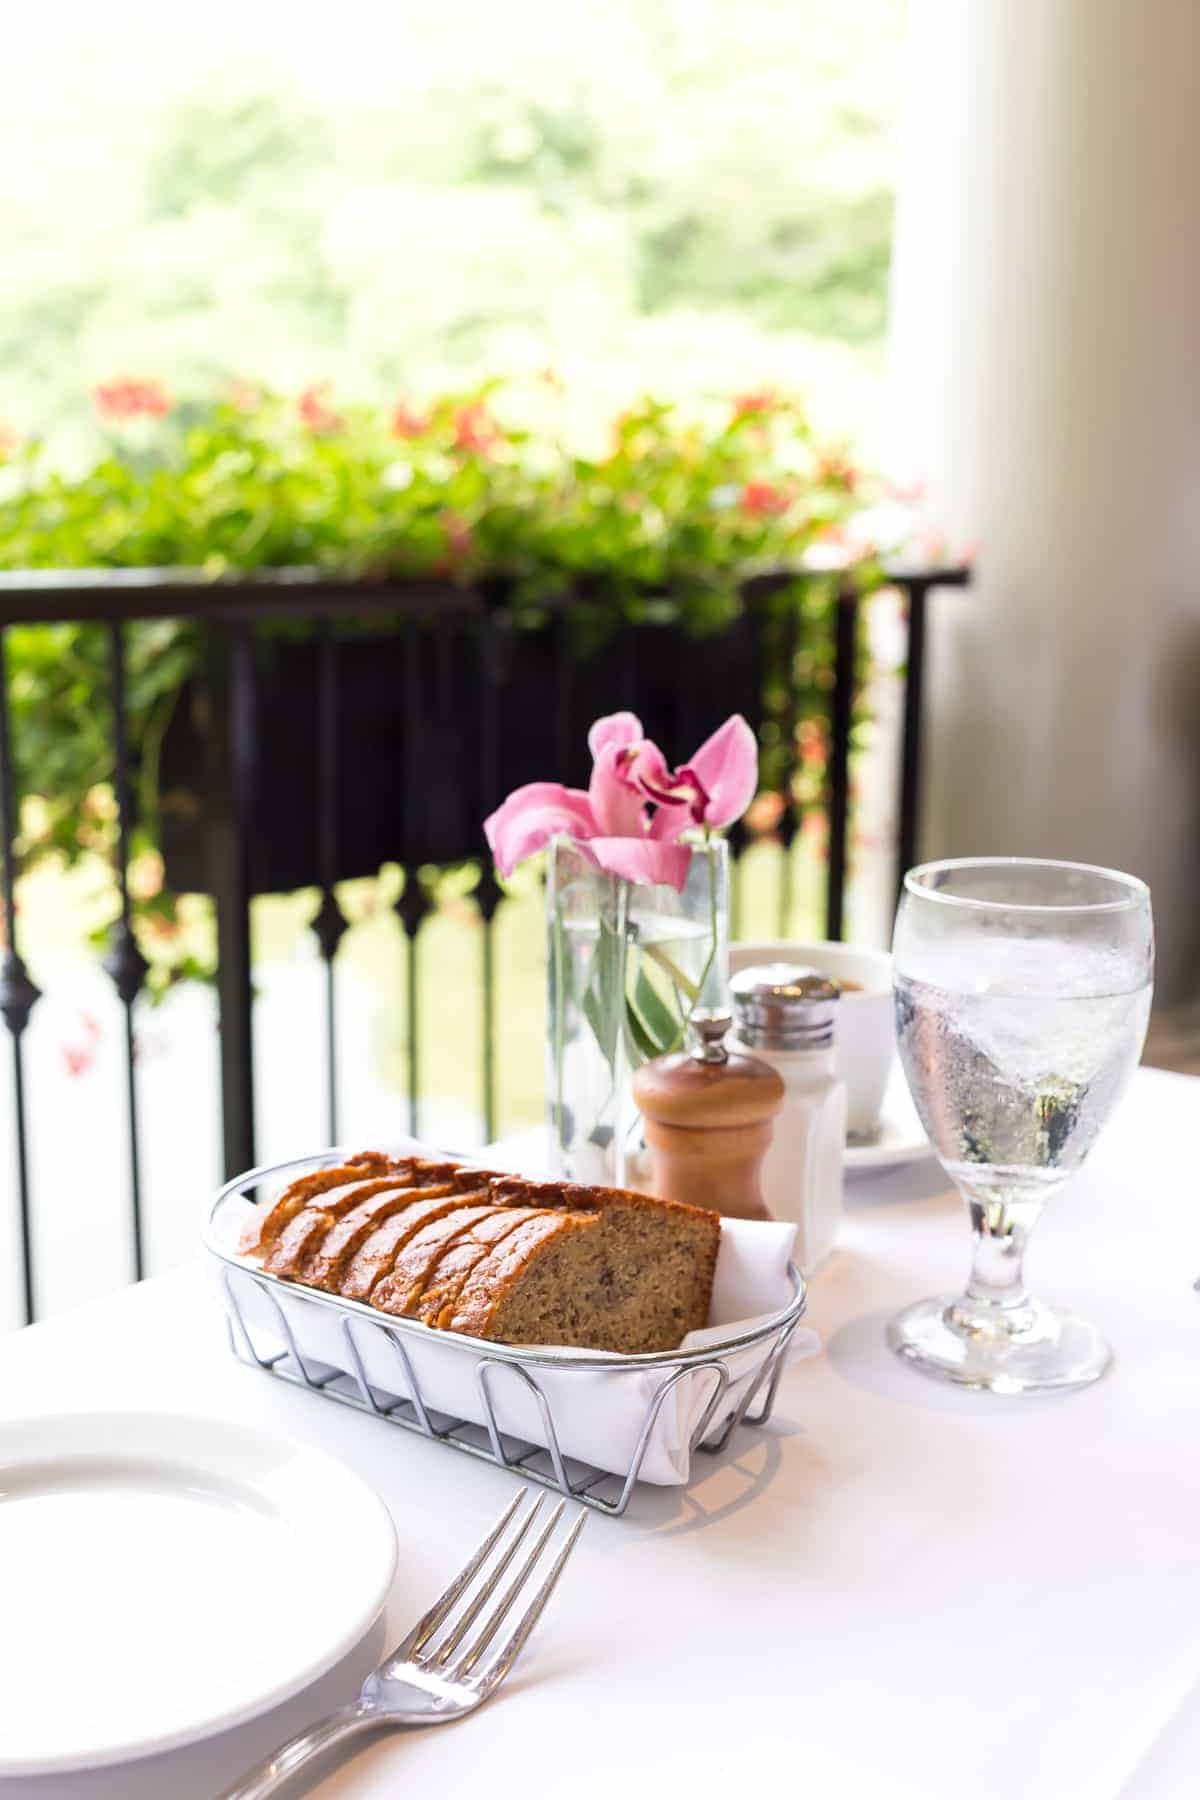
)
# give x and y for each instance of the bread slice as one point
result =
(400, 1291)
(269, 1222)
(491, 1279)
(374, 1258)
(284, 1258)
(326, 1264)
(460, 1256)
(629, 1273)
(297, 1242)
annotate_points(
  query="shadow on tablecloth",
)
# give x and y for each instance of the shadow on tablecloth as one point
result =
(858, 1352)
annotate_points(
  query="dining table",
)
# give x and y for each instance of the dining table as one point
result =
(894, 1588)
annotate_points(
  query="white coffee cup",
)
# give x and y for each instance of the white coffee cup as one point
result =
(865, 1034)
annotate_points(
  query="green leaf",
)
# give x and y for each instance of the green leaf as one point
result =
(660, 1026)
(641, 1047)
(603, 997)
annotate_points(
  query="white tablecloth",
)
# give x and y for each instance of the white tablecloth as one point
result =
(897, 1590)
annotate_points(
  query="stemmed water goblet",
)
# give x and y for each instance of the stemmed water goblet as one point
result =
(1022, 998)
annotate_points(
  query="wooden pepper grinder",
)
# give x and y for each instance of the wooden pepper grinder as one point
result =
(708, 1112)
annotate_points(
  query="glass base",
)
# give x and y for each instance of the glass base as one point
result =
(1028, 1349)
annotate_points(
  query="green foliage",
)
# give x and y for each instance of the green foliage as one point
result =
(678, 514)
(216, 152)
(693, 504)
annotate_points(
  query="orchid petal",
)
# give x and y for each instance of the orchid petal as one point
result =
(642, 860)
(620, 728)
(669, 789)
(669, 823)
(531, 816)
(648, 766)
(618, 806)
(726, 768)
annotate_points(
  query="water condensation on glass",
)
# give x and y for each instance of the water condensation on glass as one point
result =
(1016, 1050)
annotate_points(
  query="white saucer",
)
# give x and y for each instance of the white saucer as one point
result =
(901, 1137)
(166, 1577)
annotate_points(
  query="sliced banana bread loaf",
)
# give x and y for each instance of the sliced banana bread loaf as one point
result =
(627, 1273)
(496, 1256)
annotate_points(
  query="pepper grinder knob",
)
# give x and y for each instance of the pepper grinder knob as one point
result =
(707, 1031)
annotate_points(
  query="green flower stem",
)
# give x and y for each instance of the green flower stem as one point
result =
(560, 1008)
(656, 954)
(712, 923)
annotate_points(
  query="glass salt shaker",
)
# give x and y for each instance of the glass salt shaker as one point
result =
(785, 1014)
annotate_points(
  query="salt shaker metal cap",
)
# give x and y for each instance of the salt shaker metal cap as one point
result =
(784, 1006)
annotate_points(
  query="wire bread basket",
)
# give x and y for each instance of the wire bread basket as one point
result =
(589, 1424)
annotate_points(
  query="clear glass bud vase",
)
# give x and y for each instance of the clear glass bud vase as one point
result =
(627, 966)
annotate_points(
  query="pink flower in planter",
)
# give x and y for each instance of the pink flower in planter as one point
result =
(838, 471)
(763, 500)
(316, 417)
(635, 809)
(766, 400)
(128, 398)
(245, 396)
(475, 430)
(458, 540)
(408, 424)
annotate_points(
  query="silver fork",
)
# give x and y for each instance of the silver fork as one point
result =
(428, 1682)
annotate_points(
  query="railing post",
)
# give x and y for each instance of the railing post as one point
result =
(493, 655)
(18, 994)
(231, 771)
(916, 593)
(789, 823)
(329, 925)
(841, 717)
(124, 961)
(413, 904)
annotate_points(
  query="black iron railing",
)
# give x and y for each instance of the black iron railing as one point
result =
(474, 699)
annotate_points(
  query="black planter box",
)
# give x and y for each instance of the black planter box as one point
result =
(412, 778)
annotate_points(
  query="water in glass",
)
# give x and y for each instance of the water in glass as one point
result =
(1016, 1053)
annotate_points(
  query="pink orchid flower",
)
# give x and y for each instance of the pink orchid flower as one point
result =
(715, 787)
(629, 821)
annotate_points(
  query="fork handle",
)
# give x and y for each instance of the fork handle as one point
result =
(268, 1776)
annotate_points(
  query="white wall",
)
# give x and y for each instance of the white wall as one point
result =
(1046, 383)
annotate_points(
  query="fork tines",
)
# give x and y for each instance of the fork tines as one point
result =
(456, 1654)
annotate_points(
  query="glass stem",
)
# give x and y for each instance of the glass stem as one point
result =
(1001, 1231)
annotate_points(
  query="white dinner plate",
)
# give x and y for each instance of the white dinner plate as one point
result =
(163, 1577)
(901, 1137)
